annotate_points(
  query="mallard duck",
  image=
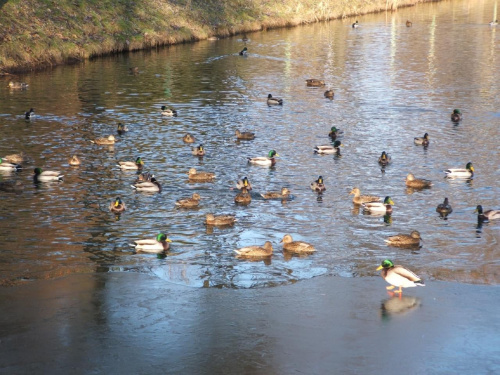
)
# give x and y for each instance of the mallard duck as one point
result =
(468, 172)
(329, 94)
(398, 276)
(274, 101)
(409, 23)
(200, 176)
(329, 149)
(134, 70)
(244, 197)
(318, 185)
(138, 164)
(379, 207)
(117, 206)
(456, 115)
(335, 133)
(244, 51)
(493, 23)
(152, 186)
(212, 219)
(188, 138)
(29, 114)
(283, 194)
(110, 140)
(74, 160)
(298, 247)
(243, 184)
(168, 111)
(245, 135)
(255, 251)
(156, 246)
(145, 176)
(424, 141)
(358, 198)
(8, 166)
(212, 38)
(384, 159)
(313, 82)
(18, 85)
(121, 129)
(355, 24)
(198, 151)
(16, 158)
(45, 176)
(487, 215)
(267, 161)
(412, 239)
(417, 183)
(193, 201)
(11, 186)
(444, 208)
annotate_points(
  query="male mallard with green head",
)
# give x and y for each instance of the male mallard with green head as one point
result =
(271, 100)
(335, 133)
(138, 164)
(156, 246)
(243, 184)
(487, 215)
(384, 159)
(444, 208)
(117, 206)
(379, 207)
(46, 176)
(152, 186)
(456, 115)
(424, 141)
(468, 172)
(169, 112)
(244, 51)
(18, 85)
(355, 25)
(266, 161)
(398, 276)
(198, 151)
(329, 149)
(5, 166)
(318, 185)
(29, 114)
(121, 129)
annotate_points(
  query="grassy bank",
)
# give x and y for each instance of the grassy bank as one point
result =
(39, 33)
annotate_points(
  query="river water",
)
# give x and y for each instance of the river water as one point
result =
(391, 82)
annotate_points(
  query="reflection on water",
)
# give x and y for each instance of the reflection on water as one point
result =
(391, 82)
(398, 305)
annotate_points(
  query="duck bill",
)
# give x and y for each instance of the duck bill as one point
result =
(168, 240)
(379, 268)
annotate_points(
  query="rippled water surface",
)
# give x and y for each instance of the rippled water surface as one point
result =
(391, 83)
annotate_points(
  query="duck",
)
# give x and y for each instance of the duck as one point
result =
(244, 135)
(379, 207)
(384, 159)
(359, 199)
(17, 158)
(121, 129)
(412, 239)
(188, 138)
(18, 85)
(444, 208)
(6, 166)
(212, 219)
(335, 133)
(134, 70)
(417, 183)
(156, 246)
(355, 24)
(244, 197)
(74, 160)
(200, 176)
(267, 161)
(244, 51)
(255, 251)
(456, 115)
(468, 172)
(329, 94)
(198, 151)
(329, 149)
(29, 114)
(313, 82)
(409, 23)
(424, 141)
(493, 23)
(298, 247)
(110, 140)
(145, 176)
(193, 201)
(45, 176)
(117, 206)
(318, 185)
(486, 215)
(398, 276)
(138, 164)
(168, 111)
(274, 101)
(243, 184)
(11, 186)
(152, 186)
(283, 194)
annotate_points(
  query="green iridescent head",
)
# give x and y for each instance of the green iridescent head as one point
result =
(457, 112)
(272, 154)
(387, 264)
(139, 161)
(38, 171)
(161, 237)
(388, 200)
(469, 167)
(333, 129)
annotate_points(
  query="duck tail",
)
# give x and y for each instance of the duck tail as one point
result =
(419, 283)
(60, 177)
(91, 141)
(134, 187)
(237, 252)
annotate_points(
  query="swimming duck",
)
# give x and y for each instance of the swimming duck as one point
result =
(18, 85)
(145, 176)
(11, 186)
(17, 158)
(298, 247)
(200, 176)
(267, 161)
(318, 185)
(152, 186)
(45, 176)
(117, 206)
(245, 135)
(244, 51)
(493, 23)
(74, 160)
(193, 201)
(283, 194)
(424, 141)
(456, 115)
(121, 129)
(444, 208)
(156, 246)
(417, 183)
(198, 151)
(412, 239)
(274, 101)
(138, 164)
(487, 215)
(212, 219)
(110, 140)
(168, 111)
(188, 138)
(329, 94)
(329, 149)
(379, 207)
(358, 198)
(243, 197)
(8, 166)
(409, 23)
(468, 172)
(384, 159)
(29, 114)
(398, 276)
(335, 133)
(134, 70)
(313, 82)
(355, 24)
(243, 184)
(255, 251)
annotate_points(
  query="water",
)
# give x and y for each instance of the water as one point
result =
(392, 83)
